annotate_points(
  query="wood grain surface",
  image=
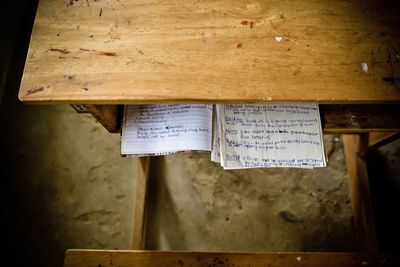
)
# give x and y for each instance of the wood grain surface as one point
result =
(140, 203)
(355, 146)
(161, 51)
(204, 259)
(360, 118)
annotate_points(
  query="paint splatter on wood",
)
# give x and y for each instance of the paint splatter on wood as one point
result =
(248, 22)
(364, 66)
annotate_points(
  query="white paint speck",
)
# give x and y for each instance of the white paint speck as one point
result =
(337, 139)
(364, 66)
(268, 98)
(278, 38)
(298, 258)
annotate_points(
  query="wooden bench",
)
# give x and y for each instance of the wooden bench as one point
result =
(101, 55)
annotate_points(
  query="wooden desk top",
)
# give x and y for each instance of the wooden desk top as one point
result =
(120, 51)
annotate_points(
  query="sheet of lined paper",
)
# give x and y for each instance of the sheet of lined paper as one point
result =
(271, 135)
(162, 129)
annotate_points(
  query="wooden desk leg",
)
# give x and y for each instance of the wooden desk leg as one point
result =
(377, 139)
(139, 208)
(354, 147)
(107, 115)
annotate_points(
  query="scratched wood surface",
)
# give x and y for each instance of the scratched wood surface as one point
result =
(121, 51)
(173, 258)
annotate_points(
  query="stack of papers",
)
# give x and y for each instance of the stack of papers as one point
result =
(238, 135)
(268, 135)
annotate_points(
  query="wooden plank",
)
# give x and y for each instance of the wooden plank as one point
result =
(335, 118)
(140, 197)
(360, 118)
(354, 147)
(204, 259)
(106, 115)
(377, 139)
(120, 52)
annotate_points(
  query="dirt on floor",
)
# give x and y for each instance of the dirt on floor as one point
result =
(195, 205)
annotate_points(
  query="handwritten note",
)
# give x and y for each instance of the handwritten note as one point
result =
(161, 129)
(271, 135)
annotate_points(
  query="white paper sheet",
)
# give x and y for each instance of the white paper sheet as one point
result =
(216, 148)
(155, 129)
(271, 135)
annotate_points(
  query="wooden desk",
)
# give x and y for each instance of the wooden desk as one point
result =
(130, 52)
(96, 55)
(120, 52)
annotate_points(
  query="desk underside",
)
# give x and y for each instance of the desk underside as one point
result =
(120, 52)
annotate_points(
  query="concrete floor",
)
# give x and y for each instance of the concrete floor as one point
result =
(68, 187)
(195, 205)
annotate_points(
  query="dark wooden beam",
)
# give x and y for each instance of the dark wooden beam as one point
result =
(353, 118)
(348, 118)
(355, 146)
(107, 115)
